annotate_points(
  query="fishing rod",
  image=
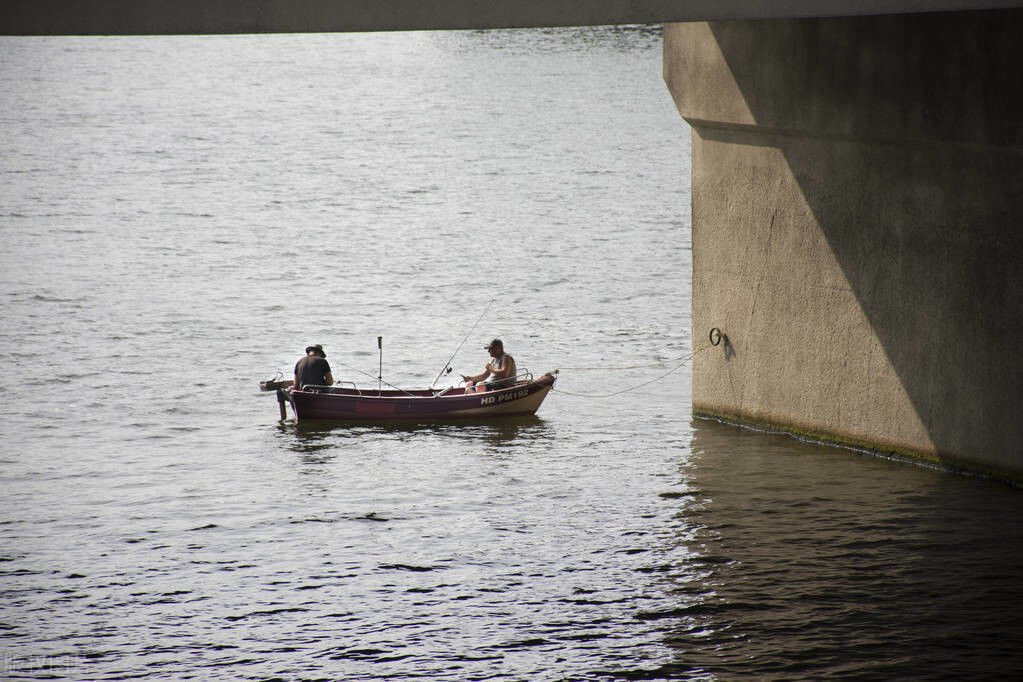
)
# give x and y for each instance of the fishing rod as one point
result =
(447, 365)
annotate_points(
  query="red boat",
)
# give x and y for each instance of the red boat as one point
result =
(354, 404)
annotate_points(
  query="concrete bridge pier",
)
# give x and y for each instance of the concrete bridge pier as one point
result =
(858, 228)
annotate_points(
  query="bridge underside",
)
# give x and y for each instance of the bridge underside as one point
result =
(152, 17)
(857, 193)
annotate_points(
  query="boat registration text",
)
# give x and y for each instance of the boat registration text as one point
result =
(504, 397)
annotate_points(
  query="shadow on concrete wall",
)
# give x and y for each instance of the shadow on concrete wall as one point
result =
(905, 135)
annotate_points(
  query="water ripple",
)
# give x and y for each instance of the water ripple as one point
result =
(170, 240)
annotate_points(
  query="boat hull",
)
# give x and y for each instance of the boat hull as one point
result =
(351, 405)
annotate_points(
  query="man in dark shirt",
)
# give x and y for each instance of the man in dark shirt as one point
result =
(313, 370)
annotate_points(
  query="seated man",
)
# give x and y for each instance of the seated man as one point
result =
(313, 369)
(502, 369)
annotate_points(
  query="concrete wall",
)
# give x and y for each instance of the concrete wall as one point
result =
(858, 228)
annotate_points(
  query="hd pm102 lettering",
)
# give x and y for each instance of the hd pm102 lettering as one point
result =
(504, 397)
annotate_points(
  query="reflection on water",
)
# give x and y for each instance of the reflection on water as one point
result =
(313, 435)
(319, 443)
(809, 561)
(625, 39)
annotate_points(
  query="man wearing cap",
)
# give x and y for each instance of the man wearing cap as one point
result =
(313, 370)
(501, 369)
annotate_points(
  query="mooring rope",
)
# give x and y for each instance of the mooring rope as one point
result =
(662, 363)
(684, 361)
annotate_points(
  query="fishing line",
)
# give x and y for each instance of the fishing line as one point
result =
(473, 328)
(355, 369)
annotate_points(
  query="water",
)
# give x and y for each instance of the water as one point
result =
(183, 215)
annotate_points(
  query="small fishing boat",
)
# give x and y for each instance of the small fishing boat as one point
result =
(347, 402)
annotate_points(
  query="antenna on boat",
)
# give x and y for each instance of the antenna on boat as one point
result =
(380, 374)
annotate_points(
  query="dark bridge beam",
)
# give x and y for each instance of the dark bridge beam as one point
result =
(150, 17)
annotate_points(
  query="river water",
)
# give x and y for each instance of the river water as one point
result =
(181, 216)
